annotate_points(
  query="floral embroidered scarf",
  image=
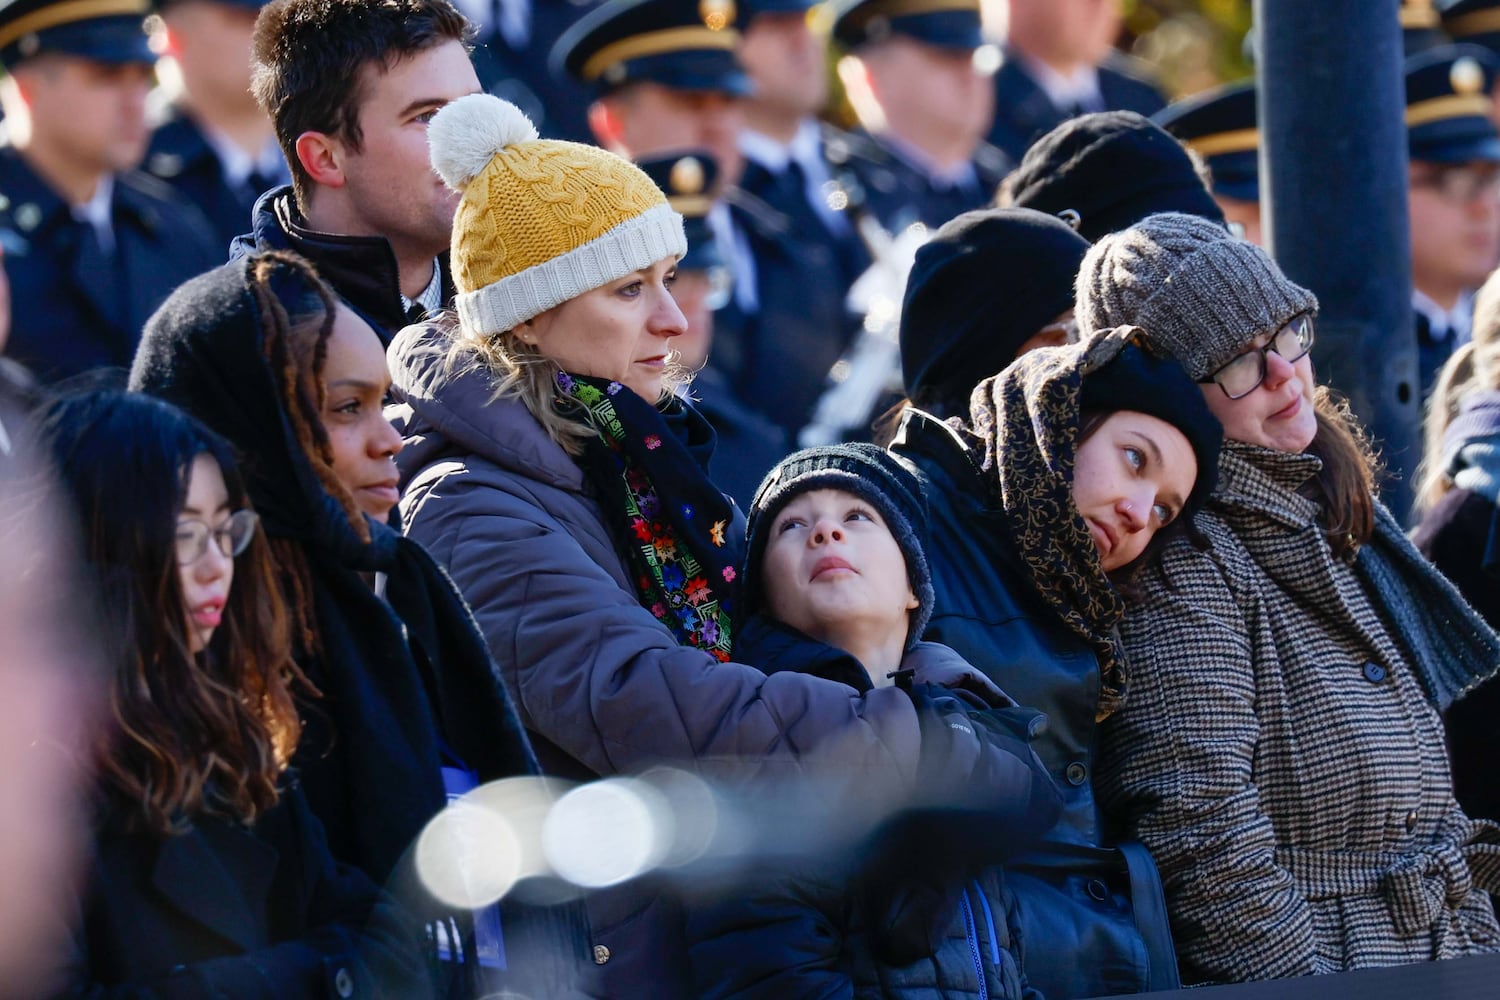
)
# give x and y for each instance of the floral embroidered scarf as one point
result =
(650, 467)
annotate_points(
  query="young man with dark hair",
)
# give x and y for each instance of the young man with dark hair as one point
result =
(350, 87)
(92, 246)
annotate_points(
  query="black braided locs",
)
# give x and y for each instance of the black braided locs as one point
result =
(296, 351)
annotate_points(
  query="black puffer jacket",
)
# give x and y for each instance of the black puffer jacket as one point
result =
(362, 269)
(1082, 904)
(896, 913)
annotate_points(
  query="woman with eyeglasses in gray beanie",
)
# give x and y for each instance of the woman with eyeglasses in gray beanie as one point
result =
(1281, 750)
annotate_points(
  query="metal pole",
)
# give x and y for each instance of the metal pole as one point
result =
(1333, 203)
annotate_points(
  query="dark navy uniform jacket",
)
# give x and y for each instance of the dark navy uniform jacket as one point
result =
(556, 104)
(1024, 112)
(777, 358)
(748, 444)
(181, 157)
(72, 309)
(361, 269)
(900, 194)
(1432, 352)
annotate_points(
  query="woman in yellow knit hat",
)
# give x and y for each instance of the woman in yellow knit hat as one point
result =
(550, 466)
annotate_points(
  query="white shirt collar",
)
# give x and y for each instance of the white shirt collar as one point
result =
(806, 148)
(238, 165)
(1080, 88)
(431, 297)
(1443, 323)
(960, 175)
(98, 212)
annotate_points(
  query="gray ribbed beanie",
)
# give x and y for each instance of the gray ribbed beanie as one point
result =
(1199, 293)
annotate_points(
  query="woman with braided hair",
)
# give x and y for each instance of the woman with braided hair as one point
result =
(263, 352)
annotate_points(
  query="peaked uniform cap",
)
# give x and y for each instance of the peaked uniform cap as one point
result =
(541, 221)
(1220, 125)
(682, 44)
(1448, 105)
(107, 31)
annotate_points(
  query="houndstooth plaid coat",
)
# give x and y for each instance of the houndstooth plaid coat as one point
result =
(1281, 760)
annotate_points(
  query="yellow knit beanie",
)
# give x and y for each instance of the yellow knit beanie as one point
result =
(541, 221)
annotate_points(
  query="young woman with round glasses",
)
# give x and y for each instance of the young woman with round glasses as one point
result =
(209, 875)
(1281, 747)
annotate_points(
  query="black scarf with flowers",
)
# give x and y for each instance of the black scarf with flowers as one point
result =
(1027, 419)
(650, 466)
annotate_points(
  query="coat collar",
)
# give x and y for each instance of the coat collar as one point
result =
(1265, 481)
(220, 875)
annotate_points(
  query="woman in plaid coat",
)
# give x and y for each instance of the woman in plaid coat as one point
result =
(1280, 750)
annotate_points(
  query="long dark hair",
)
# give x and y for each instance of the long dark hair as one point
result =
(187, 734)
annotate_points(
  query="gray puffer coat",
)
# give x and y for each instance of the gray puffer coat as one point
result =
(601, 685)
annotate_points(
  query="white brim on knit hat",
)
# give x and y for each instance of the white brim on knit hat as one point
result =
(639, 242)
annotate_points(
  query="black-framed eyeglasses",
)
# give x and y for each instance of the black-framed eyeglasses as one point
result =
(1240, 376)
(232, 537)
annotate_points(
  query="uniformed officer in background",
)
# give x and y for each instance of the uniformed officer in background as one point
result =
(513, 46)
(1453, 194)
(663, 78)
(1060, 61)
(210, 141)
(1421, 26)
(100, 245)
(1221, 127)
(1477, 22)
(748, 444)
(918, 76)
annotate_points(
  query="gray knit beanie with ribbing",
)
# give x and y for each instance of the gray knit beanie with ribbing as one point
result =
(1200, 294)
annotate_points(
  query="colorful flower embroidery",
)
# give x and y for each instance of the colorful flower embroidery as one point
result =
(687, 511)
(613, 388)
(641, 528)
(697, 591)
(716, 535)
(652, 442)
(729, 574)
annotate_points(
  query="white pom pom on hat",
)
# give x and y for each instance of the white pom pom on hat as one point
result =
(466, 134)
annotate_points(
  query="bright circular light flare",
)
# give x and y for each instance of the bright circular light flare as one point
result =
(468, 856)
(523, 802)
(603, 833)
(694, 811)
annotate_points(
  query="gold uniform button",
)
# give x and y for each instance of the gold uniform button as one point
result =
(601, 954)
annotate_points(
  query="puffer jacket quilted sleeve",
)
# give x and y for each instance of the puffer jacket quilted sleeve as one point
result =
(601, 684)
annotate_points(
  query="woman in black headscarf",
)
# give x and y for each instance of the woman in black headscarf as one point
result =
(262, 352)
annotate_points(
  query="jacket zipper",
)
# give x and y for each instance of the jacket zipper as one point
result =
(989, 919)
(973, 938)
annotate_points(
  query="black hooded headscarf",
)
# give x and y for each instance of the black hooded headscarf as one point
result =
(408, 685)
